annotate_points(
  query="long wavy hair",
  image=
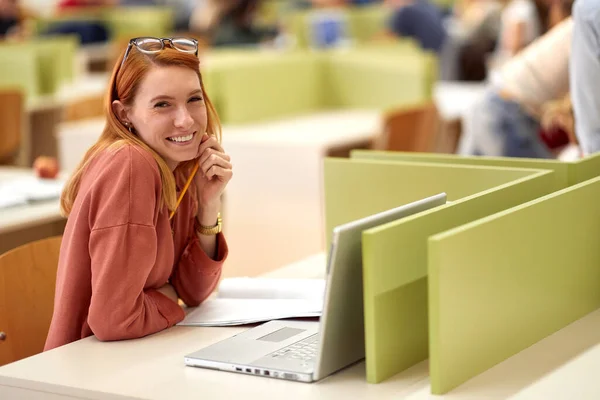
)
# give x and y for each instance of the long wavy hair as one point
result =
(124, 84)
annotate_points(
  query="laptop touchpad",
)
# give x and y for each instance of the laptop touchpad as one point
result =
(281, 334)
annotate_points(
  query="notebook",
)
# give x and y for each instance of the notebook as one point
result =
(241, 301)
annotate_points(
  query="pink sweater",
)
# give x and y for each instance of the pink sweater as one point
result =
(118, 248)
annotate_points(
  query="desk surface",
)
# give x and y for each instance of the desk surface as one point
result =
(326, 128)
(562, 366)
(19, 217)
(153, 368)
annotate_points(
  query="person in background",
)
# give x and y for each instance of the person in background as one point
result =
(14, 21)
(585, 74)
(90, 31)
(143, 226)
(473, 32)
(182, 11)
(419, 20)
(230, 23)
(522, 22)
(65, 5)
(506, 121)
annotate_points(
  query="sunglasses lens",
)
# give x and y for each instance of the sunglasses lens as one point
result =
(150, 45)
(184, 44)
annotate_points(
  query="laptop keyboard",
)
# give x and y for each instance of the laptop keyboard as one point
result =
(305, 350)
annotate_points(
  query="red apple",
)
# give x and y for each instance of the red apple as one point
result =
(46, 167)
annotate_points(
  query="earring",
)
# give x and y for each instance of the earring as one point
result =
(129, 127)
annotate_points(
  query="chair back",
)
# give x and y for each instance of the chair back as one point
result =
(12, 117)
(27, 281)
(410, 129)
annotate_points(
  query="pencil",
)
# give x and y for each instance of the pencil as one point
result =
(185, 188)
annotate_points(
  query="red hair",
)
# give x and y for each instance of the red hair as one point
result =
(124, 84)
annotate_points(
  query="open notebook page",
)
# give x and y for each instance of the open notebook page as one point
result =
(226, 312)
(271, 288)
(243, 301)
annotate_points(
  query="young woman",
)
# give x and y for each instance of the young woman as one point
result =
(143, 226)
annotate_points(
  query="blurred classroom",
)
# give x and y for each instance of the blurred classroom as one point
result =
(294, 82)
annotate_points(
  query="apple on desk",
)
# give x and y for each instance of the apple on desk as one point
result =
(46, 167)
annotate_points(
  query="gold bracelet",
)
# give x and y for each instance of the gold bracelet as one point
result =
(211, 230)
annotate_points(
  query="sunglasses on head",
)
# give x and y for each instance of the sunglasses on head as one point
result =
(152, 45)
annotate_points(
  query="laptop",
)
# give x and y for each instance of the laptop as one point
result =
(308, 351)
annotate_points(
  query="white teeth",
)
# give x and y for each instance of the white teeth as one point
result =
(181, 139)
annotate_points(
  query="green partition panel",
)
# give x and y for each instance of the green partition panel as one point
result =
(502, 283)
(56, 61)
(254, 86)
(561, 169)
(19, 69)
(128, 22)
(584, 169)
(366, 22)
(567, 173)
(357, 188)
(66, 46)
(395, 271)
(378, 79)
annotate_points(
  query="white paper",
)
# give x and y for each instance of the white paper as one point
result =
(227, 312)
(19, 191)
(243, 301)
(272, 288)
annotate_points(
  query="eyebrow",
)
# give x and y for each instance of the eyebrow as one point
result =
(164, 97)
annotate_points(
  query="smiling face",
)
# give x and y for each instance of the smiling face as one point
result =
(168, 113)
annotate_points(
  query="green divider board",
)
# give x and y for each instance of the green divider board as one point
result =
(19, 69)
(56, 61)
(251, 86)
(584, 169)
(357, 188)
(376, 79)
(366, 22)
(128, 22)
(395, 271)
(561, 169)
(254, 86)
(502, 283)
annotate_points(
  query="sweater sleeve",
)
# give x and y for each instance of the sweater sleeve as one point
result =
(122, 258)
(123, 251)
(196, 275)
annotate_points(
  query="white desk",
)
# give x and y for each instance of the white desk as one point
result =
(153, 368)
(273, 206)
(563, 366)
(273, 212)
(23, 224)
